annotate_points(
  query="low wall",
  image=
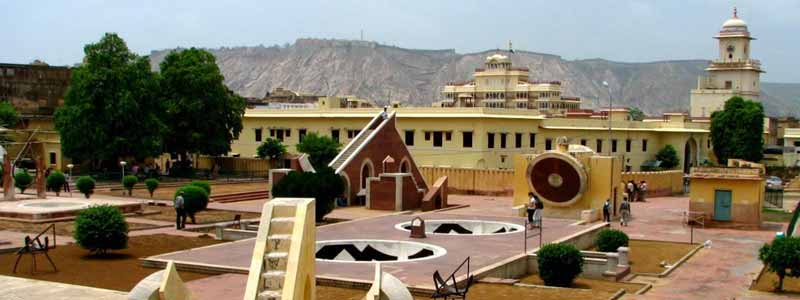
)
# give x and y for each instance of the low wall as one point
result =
(235, 164)
(659, 184)
(472, 181)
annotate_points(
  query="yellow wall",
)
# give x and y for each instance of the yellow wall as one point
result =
(747, 198)
(469, 181)
(658, 183)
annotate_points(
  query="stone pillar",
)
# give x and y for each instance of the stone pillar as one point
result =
(40, 190)
(8, 181)
(623, 256)
(611, 263)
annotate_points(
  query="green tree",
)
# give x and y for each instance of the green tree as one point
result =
(271, 149)
(668, 157)
(128, 182)
(101, 228)
(9, 117)
(320, 149)
(636, 114)
(85, 185)
(195, 199)
(609, 240)
(152, 185)
(202, 115)
(782, 257)
(22, 181)
(56, 181)
(737, 131)
(110, 110)
(559, 264)
(324, 186)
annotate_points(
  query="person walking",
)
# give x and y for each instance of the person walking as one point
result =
(629, 190)
(537, 214)
(180, 212)
(643, 191)
(607, 211)
(625, 209)
(531, 208)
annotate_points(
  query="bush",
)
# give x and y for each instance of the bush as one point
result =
(101, 228)
(129, 182)
(22, 180)
(324, 186)
(609, 240)
(559, 264)
(85, 184)
(203, 185)
(321, 149)
(195, 198)
(668, 157)
(271, 149)
(782, 258)
(152, 185)
(56, 181)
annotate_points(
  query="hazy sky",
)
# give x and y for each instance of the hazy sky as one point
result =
(631, 31)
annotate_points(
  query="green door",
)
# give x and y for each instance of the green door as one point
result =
(722, 205)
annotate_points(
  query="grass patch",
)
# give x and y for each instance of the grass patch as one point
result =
(65, 228)
(646, 256)
(774, 215)
(590, 284)
(769, 280)
(167, 213)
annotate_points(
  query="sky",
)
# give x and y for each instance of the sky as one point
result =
(619, 30)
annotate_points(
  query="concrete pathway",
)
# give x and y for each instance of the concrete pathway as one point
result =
(13, 288)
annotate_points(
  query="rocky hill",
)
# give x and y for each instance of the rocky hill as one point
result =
(380, 72)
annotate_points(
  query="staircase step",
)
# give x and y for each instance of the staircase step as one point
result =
(279, 242)
(282, 211)
(283, 225)
(276, 260)
(273, 280)
(269, 295)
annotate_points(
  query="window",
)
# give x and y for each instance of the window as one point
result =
(490, 140)
(599, 146)
(272, 132)
(300, 134)
(280, 133)
(350, 133)
(52, 158)
(409, 138)
(448, 135)
(335, 134)
(532, 138)
(644, 145)
(437, 138)
(613, 145)
(797, 143)
(288, 132)
(728, 85)
(628, 145)
(708, 144)
(503, 140)
(583, 142)
(548, 144)
(466, 139)
(518, 140)
(258, 134)
(427, 135)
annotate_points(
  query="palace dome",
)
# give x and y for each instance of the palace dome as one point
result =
(734, 24)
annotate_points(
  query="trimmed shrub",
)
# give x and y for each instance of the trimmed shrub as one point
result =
(782, 257)
(128, 182)
(203, 185)
(152, 185)
(56, 181)
(271, 149)
(668, 157)
(609, 240)
(324, 186)
(22, 180)
(101, 228)
(85, 184)
(195, 199)
(559, 264)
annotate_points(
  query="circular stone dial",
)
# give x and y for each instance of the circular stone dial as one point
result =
(555, 180)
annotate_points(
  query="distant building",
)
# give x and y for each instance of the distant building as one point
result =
(281, 98)
(500, 85)
(734, 73)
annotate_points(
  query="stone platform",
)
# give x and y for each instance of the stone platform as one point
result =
(58, 208)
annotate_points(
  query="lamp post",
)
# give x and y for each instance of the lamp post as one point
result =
(70, 166)
(611, 165)
(610, 107)
(122, 164)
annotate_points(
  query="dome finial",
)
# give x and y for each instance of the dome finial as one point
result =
(735, 13)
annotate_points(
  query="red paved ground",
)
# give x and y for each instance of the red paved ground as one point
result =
(483, 250)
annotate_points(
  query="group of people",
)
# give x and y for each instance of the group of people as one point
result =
(636, 192)
(624, 209)
(535, 209)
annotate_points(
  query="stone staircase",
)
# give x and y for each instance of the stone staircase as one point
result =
(350, 149)
(281, 261)
(243, 196)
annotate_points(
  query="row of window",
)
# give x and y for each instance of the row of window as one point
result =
(466, 140)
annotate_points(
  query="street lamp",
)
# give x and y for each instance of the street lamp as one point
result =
(611, 167)
(70, 166)
(610, 101)
(122, 164)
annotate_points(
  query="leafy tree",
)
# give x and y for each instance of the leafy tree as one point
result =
(203, 185)
(203, 115)
(320, 149)
(782, 257)
(56, 182)
(22, 181)
(128, 182)
(85, 184)
(9, 117)
(324, 186)
(101, 228)
(609, 240)
(559, 264)
(271, 149)
(737, 131)
(195, 199)
(110, 109)
(152, 185)
(635, 114)
(668, 157)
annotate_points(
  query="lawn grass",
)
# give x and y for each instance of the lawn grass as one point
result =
(775, 215)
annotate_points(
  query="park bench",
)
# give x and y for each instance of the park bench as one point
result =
(34, 246)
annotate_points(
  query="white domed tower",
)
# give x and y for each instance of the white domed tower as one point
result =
(732, 74)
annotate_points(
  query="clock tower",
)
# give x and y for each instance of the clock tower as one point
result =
(734, 73)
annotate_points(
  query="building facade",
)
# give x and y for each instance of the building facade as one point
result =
(733, 73)
(500, 85)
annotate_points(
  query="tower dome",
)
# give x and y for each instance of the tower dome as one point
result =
(734, 24)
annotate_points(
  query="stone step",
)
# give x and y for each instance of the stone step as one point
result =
(279, 242)
(283, 225)
(269, 295)
(283, 211)
(273, 280)
(276, 260)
